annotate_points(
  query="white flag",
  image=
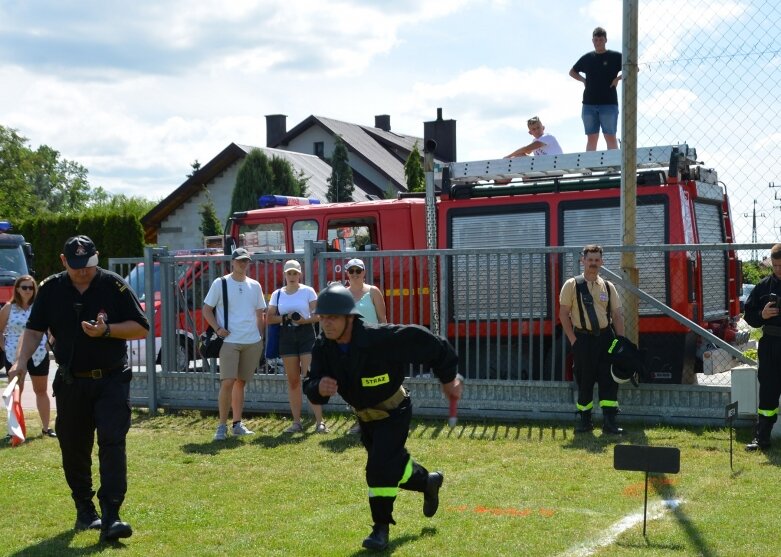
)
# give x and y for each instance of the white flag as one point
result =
(13, 404)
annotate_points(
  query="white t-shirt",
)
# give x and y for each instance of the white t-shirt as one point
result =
(245, 298)
(551, 146)
(298, 301)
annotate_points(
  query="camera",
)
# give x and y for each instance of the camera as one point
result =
(295, 316)
(773, 299)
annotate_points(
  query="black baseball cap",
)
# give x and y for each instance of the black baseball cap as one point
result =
(80, 252)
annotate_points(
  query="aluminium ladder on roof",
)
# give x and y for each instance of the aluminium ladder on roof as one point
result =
(558, 165)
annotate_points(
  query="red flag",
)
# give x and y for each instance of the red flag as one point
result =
(13, 404)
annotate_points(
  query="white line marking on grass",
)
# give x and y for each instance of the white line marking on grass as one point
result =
(610, 535)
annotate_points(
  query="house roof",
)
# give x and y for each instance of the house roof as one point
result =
(318, 170)
(383, 150)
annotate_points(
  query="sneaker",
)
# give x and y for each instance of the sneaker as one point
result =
(355, 430)
(48, 433)
(295, 428)
(222, 432)
(241, 429)
(321, 428)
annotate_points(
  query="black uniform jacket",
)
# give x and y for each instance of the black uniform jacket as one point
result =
(377, 361)
(757, 300)
(59, 307)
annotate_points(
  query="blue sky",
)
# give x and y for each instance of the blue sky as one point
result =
(135, 91)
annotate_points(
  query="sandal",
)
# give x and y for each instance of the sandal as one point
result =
(295, 428)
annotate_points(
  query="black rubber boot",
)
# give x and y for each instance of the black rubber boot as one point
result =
(609, 425)
(761, 441)
(86, 516)
(378, 539)
(583, 423)
(112, 527)
(431, 495)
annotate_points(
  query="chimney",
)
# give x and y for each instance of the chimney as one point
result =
(276, 128)
(382, 121)
(444, 133)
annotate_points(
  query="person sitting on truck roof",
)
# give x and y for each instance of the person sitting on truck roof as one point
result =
(543, 144)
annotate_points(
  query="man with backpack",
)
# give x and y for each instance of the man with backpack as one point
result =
(591, 317)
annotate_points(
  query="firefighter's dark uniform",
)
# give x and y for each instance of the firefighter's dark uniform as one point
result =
(92, 384)
(590, 352)
(369, 372)
(769, 355)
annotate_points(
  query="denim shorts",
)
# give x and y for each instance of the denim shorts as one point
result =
(296, 341)
(597, 116)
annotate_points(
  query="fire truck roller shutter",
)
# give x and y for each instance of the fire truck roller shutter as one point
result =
(602, 225)
(710, 228)
(518, 288)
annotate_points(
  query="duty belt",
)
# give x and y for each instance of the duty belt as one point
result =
(97, 373)
(381, 410)
(771, 330)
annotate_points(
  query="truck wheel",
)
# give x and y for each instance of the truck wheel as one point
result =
(185, 353)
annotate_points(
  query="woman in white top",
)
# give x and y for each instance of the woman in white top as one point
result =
(13, 319)
(291, 306)
(368, 299)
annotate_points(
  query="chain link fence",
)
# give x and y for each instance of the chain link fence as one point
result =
(709, 76)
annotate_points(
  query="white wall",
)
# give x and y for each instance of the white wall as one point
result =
(180, 229)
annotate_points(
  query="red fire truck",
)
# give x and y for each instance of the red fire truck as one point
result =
(558, 200)
(16, 259)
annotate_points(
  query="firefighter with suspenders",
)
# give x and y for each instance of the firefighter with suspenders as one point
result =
(591, 316)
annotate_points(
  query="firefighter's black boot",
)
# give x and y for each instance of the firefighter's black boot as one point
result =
(583, 424)
(86, 515)
(378, 539)
(609, 425)
(113, 528)
(761, 441)
(431, 495)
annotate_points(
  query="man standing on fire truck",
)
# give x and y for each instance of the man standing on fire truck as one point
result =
(366, 365)
(762, 310)
(592, 303)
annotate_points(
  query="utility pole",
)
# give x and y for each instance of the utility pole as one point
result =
(754, 229)
(772, 185)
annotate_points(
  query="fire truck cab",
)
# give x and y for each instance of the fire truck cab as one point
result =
(16, 259)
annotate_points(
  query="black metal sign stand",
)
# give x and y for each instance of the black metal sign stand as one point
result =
(730, 411)
(642, 458)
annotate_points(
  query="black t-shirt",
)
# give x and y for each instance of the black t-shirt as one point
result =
(60, 307)
(601, 70)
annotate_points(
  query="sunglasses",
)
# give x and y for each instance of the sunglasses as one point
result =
(355, 270)
(27, 287)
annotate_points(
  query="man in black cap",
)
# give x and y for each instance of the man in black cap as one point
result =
(91, 312)
(366, 365)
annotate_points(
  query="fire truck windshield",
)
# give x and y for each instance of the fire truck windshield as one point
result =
(12, 262)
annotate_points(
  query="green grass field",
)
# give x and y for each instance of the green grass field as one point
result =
(527, 489)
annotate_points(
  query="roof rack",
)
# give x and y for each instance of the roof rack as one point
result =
(587, 163)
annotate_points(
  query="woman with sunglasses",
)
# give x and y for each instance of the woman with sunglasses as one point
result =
(13, 318)
(291, 307)
(368, 301)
